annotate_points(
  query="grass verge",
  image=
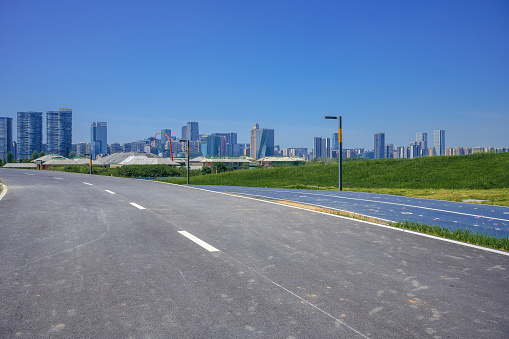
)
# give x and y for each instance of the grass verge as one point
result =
(458, 234)
(494, 196)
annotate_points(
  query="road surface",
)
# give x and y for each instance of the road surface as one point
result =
(93, 256)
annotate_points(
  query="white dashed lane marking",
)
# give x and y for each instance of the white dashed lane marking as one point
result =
(198, 241)
(110, 192)
(137, 206)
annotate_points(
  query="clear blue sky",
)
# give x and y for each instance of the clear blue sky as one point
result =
(398, 67)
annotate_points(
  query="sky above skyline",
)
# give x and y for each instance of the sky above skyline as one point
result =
(398, 67)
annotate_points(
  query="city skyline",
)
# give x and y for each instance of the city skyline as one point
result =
(395, 66)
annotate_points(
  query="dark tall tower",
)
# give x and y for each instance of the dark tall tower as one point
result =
(5, 137)
(59, 131)
(29, 134)
(439, 141)
(193, 132)
(98, 138)
(379, 145)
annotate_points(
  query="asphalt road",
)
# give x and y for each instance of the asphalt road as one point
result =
(90, 256)
(486, 219)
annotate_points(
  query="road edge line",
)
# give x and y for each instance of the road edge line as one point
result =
(3, 191)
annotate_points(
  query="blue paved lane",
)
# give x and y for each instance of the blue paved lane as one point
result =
(491, 220)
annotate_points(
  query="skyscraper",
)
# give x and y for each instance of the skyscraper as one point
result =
(321, 148)
(439, 141)
(98, 138)
(389, 151)
(335, 142)
(193, 132)
(29, 134)
(262, 142)
(422, 139)
(379, 145)
(164, 139)
(5, 137)
(59, 131)
(184, 133)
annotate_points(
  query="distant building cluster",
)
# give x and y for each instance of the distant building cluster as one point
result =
(29, 142)
(381, 150)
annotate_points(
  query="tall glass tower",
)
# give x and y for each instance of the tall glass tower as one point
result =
(5, 137)
(439, 141)
(379, 145)
(262, 142)
(321, 148)
(59, 131)
(193, 132)
(29, 134)
(98, 138)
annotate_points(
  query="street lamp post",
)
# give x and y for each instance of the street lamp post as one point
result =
(340, 155)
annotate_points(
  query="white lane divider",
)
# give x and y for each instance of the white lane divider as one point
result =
(86, 183)
(110, 192)
(198, 241)
(58, 178)
(137, 206)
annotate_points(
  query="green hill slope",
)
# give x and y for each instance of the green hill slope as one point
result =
(477, 171)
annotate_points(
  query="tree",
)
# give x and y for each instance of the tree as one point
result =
(206, 170)
(34, 155)
(221, 167)
(10, 157)
(72, 154)
(41, 154)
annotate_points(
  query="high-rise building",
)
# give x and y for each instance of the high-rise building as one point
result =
(389, 151)
(321, 148)
(379, 145)
(439, 141)
(59, 131)
(98, 138)
(5, 137)
(422, 139)
(262, 142)
(184, 133)
(210, 145)
(164, 139)
(29, 134)
(335, 142)
(193, 132)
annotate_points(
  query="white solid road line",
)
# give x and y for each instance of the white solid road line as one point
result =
(110, 192)
(137, 206)
(86, 183)
(198, 241)
(399, 204)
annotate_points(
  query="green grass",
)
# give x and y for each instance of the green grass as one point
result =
(477, 171)
(476, 238)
